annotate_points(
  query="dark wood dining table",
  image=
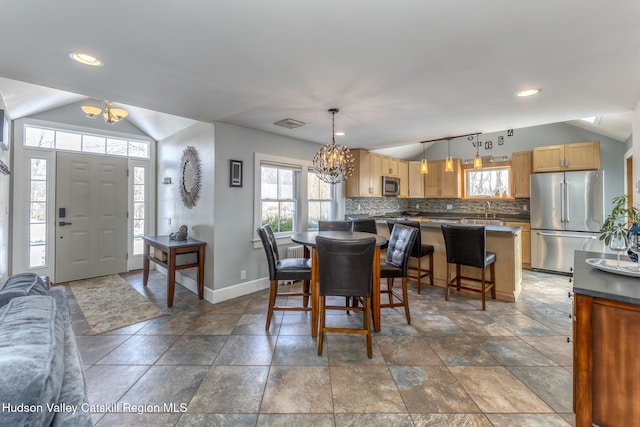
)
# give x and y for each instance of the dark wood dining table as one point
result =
(308, 238)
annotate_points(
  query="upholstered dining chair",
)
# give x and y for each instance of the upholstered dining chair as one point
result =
(401, 241)
(345, 269)
(284, 269)
(334, 225)
(466, 245)
(366, 225)
(418, 251)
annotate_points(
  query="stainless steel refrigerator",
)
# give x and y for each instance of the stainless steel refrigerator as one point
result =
(567, 211)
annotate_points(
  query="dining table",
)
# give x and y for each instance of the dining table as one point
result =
(308, 239)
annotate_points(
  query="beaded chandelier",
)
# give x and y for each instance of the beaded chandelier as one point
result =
(333, 163)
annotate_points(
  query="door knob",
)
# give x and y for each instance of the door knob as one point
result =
(62, 223)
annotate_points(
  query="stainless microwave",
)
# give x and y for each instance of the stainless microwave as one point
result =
(390, 186)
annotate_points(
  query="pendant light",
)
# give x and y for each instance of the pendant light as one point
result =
(424, 167)
(448, 164)
(477, 160)
(333, 163)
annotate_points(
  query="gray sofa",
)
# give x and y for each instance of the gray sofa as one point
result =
(41, 376)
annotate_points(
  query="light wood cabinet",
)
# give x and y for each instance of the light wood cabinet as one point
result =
(390, 166)
(521, 168)
(415, 181)
(441, 184)
(525, 241)
(606, 362)
(403, 174)
(366, 180)
(567, 157)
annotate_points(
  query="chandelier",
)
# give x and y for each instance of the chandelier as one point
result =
(333, 163)
(111, 115)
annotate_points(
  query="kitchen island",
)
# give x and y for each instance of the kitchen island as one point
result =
(606, 344)
(504, 241)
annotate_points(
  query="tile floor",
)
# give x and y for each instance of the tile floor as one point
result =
(214, 365)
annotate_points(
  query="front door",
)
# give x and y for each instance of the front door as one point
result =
(91, 216)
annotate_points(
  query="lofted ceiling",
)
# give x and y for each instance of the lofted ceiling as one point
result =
(400, 71)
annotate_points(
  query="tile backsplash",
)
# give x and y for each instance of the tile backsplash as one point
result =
(375, 206)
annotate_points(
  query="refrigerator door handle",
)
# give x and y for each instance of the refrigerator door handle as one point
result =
(539, 233)
(566, 202)
(562, 199)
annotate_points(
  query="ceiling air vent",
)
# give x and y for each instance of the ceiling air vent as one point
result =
(289, 123)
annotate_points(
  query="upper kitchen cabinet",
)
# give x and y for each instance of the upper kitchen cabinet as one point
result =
(390, 166)
(441, 184)
(521, 167)
(366, 180)
(403, 174)
(415, 181)
(568, 157)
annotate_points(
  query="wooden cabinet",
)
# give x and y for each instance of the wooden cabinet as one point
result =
(416, 181)
(441, 184)
(568, 157)
(390, 166)
(366, 180)
(525, 241)
(403, 174)
(521, 168)
(606, 362)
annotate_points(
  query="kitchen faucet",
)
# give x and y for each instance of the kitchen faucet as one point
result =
(486, 212)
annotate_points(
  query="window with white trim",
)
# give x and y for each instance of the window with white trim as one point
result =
(38, 213)
(321, 200)
(279, 196)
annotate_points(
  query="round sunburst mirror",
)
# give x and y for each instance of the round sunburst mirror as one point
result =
(190, 177)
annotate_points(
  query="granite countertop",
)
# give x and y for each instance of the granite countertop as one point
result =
(588, 280)
(446, 215)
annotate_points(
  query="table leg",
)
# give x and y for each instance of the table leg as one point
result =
(171, 277)
(201, 272)
(145, 264)
(375, 291)
(315, 292)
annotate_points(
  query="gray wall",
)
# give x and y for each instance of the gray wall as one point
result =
(5, 193)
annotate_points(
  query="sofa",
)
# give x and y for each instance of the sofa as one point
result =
(41, 375)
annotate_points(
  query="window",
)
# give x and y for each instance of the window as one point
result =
(38, 213)
(488, 182)
(320, 199)
(279, 197)
(76, 141)
(138, 209)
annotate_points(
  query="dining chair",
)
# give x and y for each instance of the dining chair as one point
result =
(401, 240)
(418, 251)
(345, 269)
(334, 225)
(365, 225)
(284, 269)
(466, 245)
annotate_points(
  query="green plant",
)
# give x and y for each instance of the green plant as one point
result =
(616, 224)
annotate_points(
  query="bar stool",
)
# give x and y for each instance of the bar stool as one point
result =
(334, 225)
(418, 251)
(466, 245)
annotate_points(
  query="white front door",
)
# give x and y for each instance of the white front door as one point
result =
(91, 216)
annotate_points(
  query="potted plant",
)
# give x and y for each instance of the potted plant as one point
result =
(616, 225)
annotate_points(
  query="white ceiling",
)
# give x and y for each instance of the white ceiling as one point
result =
(400, 71)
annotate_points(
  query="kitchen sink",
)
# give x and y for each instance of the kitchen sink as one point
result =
(481, 221)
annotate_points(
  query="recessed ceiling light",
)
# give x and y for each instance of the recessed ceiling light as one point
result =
(85, 58)
(340, 133)
(528, 92)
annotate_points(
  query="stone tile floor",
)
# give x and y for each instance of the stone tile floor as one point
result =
(214, 365)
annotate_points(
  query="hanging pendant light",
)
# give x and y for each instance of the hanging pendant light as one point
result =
(448, 164)
(477, 160)
(333, 163)
(424, 167)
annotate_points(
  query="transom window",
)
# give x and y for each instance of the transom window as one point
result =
(488, 182)
(75, 141)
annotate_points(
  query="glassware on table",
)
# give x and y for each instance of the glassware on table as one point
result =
(618, 244)
(633, 240)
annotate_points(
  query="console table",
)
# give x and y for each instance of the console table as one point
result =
(173, 249)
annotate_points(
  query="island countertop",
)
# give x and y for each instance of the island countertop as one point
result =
(588, 280)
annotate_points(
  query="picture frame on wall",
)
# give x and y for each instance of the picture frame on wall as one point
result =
(235, 173)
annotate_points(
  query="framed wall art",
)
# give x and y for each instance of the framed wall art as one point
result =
(235, 173)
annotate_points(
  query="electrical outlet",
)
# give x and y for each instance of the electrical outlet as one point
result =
(243, 274)
(417, 205)
(449, 207)
(524, 208)
(359, 207)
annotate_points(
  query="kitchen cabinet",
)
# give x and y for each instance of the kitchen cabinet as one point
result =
(403, 174)
(567, 157)
(521, 167)
(525, 241)
(415, 181)
(390, 166)
(441, 184)
(366, 180)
